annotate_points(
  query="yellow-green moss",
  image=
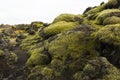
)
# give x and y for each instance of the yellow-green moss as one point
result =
(111, 20)
(37, 24)
(30, 41)
(112, 4)
(65, 17)
(109, 34)
(47, 72)
(1, 52)
(12, 58)
(72, 48)
(40, 73)
(37, 58)
(59, 27)
(96, 10)
(99, 69)
(107, 13)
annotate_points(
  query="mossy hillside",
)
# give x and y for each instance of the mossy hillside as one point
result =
(109, 34)
(59, 27)
(67, 53)
(107, 13)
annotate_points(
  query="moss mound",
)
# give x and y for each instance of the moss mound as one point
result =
(65, 17)
(111, 20)
(37, 58)
(59, 27)
(99, 69)
(107, 13)
(109, 34)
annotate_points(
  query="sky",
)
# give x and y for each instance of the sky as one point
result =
(26, 11)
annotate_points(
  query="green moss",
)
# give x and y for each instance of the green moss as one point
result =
(71, 48)
(12, 58)
(59, 27)
(98, 69)
(1, 52)
(47, 72)
(36, 24)
(40, 73)
(37, 58)
(36, 73)
(111, 20)
(109, 34)
(112, 4)
(107, 13)
(65, 17)
(96, 10)
(30, 41)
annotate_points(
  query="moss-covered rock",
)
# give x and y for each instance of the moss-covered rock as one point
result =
(112, 4)
(107, 13)
(38, 58)
(1, 53)
(30, 41)
(99, 69)
(12, 58)
(109, 34)
(37, 24)
(95, 10)
(111, 20)
(59, 27)
(70, 49)
(65, 17)
(41, 73)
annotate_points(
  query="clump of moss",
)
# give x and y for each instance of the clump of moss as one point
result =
(71, 48)
(98, 69)
(109, 34)
(95, 10)
(59, 27)
(40, 73)
(36, 24)
(65, 17)
(12, 58)
(1, 53)
(107, 13)
(37, 58)
(112, 4)
(30, 41)
(111, 20)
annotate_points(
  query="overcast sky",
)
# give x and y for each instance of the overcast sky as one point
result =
(26, 11)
